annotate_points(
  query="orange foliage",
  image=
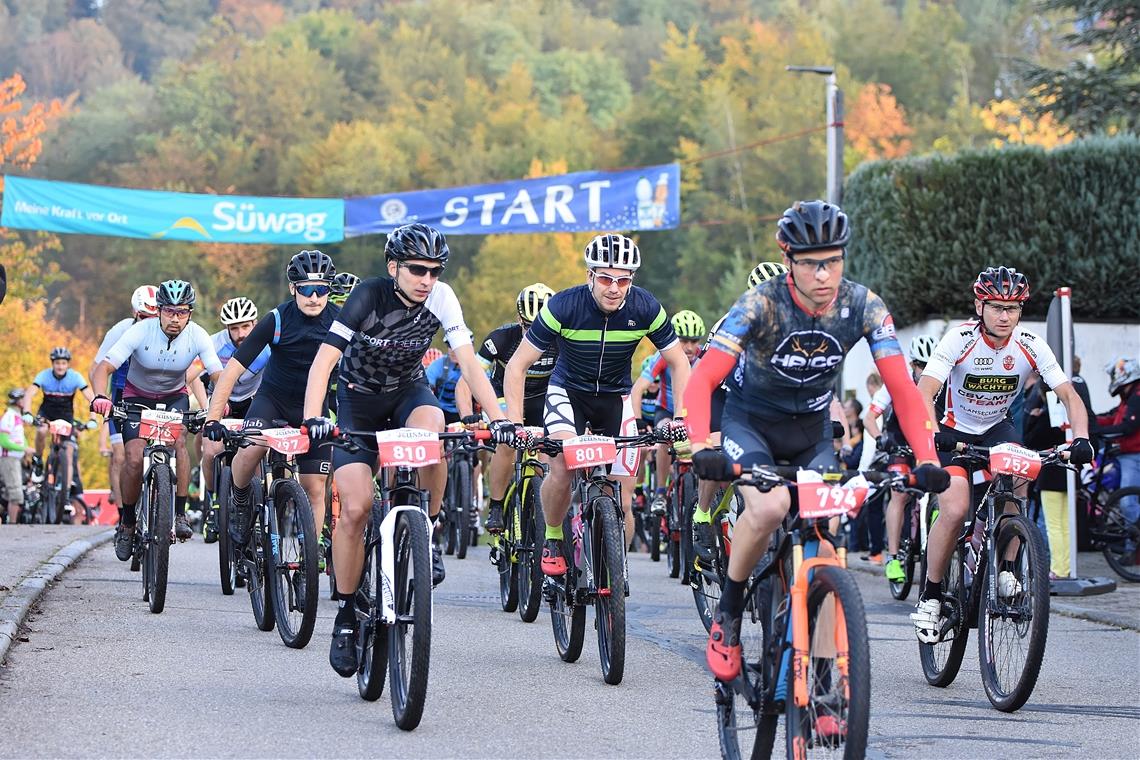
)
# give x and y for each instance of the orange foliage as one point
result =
(254, 19)
(876, 124)
(20, 130)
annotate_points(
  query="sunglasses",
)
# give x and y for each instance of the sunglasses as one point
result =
(308, 291)
(606, 280)
(172, 312)
(419, 270)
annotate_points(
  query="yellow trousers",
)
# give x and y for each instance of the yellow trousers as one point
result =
(1056, 506)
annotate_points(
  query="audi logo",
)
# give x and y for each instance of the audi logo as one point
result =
(983, 361)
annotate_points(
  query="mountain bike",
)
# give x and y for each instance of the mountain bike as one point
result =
(804, 632)
(279, 561)
(394, 603)
(999, 538)
(460, 509)
(1110, 531)
(515, 552)
(918, 514)
(59, 467)
(220, 490)
(154, 527)
(594, 548)
(681, 499)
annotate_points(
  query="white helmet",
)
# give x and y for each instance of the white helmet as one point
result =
(145, 300)
(237, 310)
(922, 348)
(614, 251)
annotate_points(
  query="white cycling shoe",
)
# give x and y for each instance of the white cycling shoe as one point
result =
(1008, 585)
(927, 619)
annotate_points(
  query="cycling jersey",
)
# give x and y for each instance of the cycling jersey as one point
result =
(498, 349)
(982, 379)
(594, 348)
(250, 380)
(59, 393)
(658, 372)
(293, 340)
(158, 362)
(442, 375)
(119, 378)
(384, 340)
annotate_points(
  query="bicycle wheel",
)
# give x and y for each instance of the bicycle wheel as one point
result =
(529, 573)
(688, 499)
(409, 641)
(1110, 528)
(835, 718)
(227, 568)
(608, 546)
(707, 583)
(462, 509)
(741, 724)
(293, 564)
(160, 516)
(507, 562)
(373, 633)
(941, 661)
(257, 559)
(1012, 631)
(567, 617)
(672, 535)
(450, 527)
(900, 590)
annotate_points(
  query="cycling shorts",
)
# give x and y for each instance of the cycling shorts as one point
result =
(608, 414)
(265, 411)
(1002, 432)
(800, 440)
(376, 411)
(178, 402)
(116, 435)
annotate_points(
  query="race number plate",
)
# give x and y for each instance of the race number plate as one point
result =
(61, 428)
(288, 441)
(159, 425)
(588, 451)
(1011, 459)
(818, 499)
(407, 447)
(231, 424)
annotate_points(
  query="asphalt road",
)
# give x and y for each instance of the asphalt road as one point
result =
(101, 676)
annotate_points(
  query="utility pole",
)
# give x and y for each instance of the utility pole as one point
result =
(834, 130)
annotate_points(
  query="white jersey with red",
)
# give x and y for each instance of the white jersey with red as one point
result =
(983, 379)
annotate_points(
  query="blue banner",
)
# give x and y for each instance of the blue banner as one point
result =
(36, 204)
(646, 198)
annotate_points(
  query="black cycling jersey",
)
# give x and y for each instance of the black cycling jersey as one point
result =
(384, 340)
(498, 349)
(293, 340)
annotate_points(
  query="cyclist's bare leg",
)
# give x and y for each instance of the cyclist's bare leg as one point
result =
(952, 505)
(115, 470)
(182, 460)
(245, 465)
(130, 477)
(627, 484)
(432, 477)
(501, 471)
(556, 489)
(66, 454)
(41, 439)
(315, 487)
(763, 513)
(895, 509)
(354, 489)
(210, 449)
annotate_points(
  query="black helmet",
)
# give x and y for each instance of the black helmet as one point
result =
(175, 293)
(311, 266)
(16, 395)
(1001, 284)
(812, 226)
(416, 241)
(344, 283)
(59, 352)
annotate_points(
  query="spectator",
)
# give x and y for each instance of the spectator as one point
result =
(13, 448)
(874, 383)
(1123, 426)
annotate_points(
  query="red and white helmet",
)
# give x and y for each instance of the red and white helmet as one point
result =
(144, 301)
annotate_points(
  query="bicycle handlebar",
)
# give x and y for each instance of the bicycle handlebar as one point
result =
(126, 411)
(981, 454)
(769, 476)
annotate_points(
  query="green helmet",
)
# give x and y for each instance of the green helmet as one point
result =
(688, 325)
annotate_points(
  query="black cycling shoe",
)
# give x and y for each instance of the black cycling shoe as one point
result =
(239, 523)
(438, 572)
(182, 529)
(342, 653)
(704, 543)
(210, 529)
(124, 541)
(494, 522)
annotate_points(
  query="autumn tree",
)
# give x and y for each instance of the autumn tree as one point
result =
(876, 124)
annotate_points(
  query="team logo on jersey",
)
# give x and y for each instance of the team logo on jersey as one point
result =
(991, 383)
(983, 361)
(806, 354)
(1007, 362)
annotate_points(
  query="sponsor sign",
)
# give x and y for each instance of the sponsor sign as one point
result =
(991, 383)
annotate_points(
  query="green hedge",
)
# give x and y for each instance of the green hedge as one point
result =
(924, 227)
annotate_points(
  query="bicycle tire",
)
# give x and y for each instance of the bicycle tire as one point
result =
(449, 531)
(295, 583)
(373, 633)
(688, 499)
(161, 510)
(900, 590)
(1010, 695)
(1112, 525)
(260, 594)
(707, 584)
(736, 718)
(848, 704)
(529, 573)
(507, 562)
(609, 575)
(462, 509)
(227, 568)
(408, 672)
(567, 618)
(672, 520)
(942, 661)
(653, 533)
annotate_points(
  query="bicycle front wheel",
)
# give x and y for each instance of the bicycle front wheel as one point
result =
(409, 641)
(160, 516)
(1121, 538)
(567, 617)
(1012, 629)
(293, 564)
(687, 495)
(227, 568)
(834, 721)
(258, 559)
(373, 633)
(507, 562)
(609, 574)
(900, 590)
(532, 527)
(941, 661)
(462, 509)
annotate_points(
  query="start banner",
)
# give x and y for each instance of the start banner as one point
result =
(645, 198)
(37, 204)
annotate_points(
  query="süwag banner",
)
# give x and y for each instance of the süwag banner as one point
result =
(646, 198)
(37, 204)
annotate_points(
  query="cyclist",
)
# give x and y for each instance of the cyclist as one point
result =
(143, 306)
(160, 351)
(783, 342)
(921, 349)
(442, 377)
(343, 285)
(1123, 425)
(382, 335)
(495, 352)
(292, 332)
(238, 315)
(59, 384)
(984, 363)
(13, 449)
(703, 541)
(690, 330)
(597, 327)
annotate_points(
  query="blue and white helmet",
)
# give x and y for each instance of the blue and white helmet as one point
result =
(175, 293)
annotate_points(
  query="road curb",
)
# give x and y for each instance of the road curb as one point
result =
(27, 592)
